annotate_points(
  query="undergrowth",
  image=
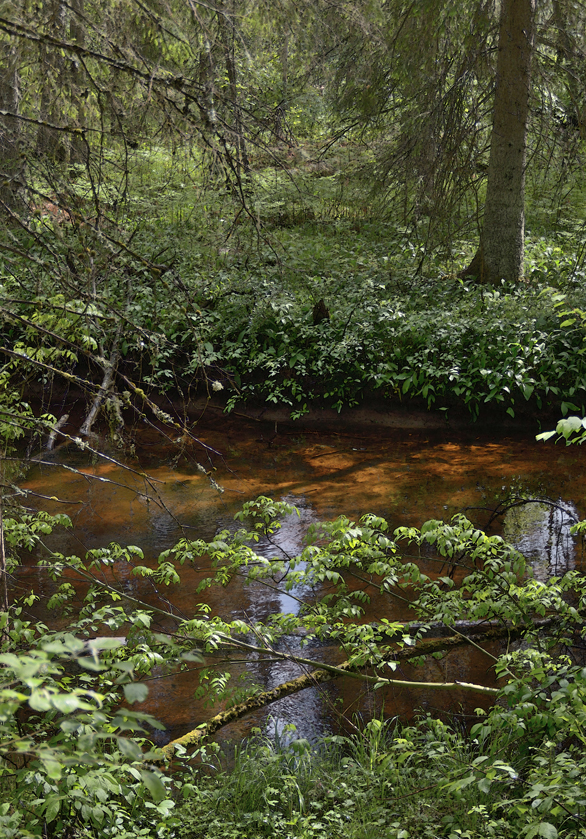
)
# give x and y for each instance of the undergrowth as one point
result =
(396, 321)
(401, 324)
(308, 297)
(386, 781)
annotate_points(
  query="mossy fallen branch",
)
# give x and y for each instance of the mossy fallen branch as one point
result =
(327, 673)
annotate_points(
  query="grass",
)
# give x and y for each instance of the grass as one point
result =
(385, 781)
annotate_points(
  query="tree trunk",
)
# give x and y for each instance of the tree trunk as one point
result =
(226, 26)
(500, 254)
(11, 162)
(327, 673)
(79, 148)
(50, 142)
(571, 60)
(61, 98)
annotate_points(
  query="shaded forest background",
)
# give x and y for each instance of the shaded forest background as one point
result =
(278, 198)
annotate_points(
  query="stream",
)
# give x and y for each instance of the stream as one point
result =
(405, 476)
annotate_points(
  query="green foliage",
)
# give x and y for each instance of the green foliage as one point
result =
(180, 232)
(188, 217)
(390, 334)
(82, 761)
(441, 343)
(422, 780)
(198, 300)
(71, 757)
(570, 429)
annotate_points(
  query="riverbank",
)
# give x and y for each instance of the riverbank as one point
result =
(376, 413)
(324, 322)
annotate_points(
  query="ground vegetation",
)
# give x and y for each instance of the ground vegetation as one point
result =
(190, 187)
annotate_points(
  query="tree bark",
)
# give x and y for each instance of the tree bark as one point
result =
(571, 59)
(79, 148)
(500, 254)
(51, 65)
(11, 162)
(60, 92)
(226, 27)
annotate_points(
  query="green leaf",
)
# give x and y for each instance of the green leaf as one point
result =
(98, 814)
(52, 808)
(68, 702)
(52, 767)
(461, 784)
(129, 748)
(98, 644)
(90, 664)
(40, 700)
(69, 644)
(154, 785)
(545, 829)
(135, 692)
(484, 785)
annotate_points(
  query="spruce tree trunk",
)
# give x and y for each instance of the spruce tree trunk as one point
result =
(79, 148)
(500, 255)
(50, 142)
(11, 162)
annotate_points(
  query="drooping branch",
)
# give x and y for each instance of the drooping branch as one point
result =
(4, 600)
(50, 445)
(18, 30)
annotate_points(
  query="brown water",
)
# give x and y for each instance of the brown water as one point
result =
(407, 477)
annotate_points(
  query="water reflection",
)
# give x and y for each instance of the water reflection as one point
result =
(540, 530)
(407, 477)
(286, 544)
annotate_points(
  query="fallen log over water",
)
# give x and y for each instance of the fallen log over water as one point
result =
(326, 673)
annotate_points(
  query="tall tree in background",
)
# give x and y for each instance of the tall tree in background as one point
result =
(570, 57)
(449, 125)
(500, 254)
(10, 158)
(425, 112)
